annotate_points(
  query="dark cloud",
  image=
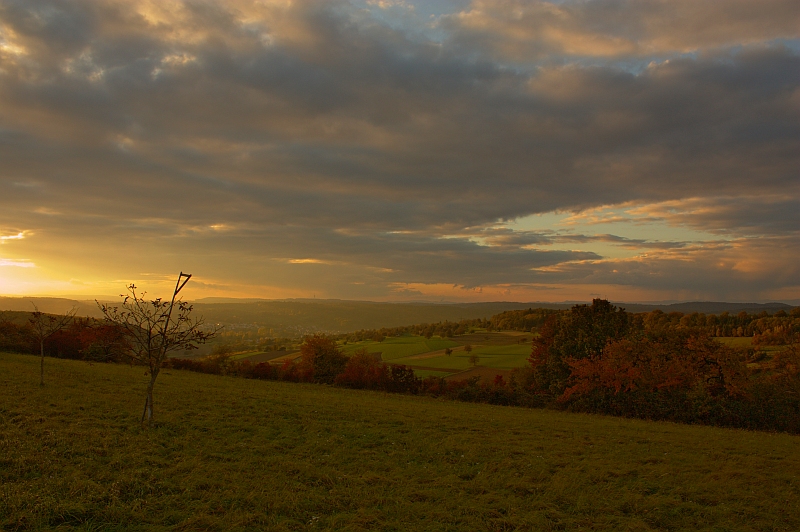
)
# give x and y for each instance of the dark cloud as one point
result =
(312, 129)
(523, 29)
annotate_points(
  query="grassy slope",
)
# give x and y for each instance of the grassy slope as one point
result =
(240, 454)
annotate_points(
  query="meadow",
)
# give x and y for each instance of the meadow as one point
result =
(502, 351)
(240, 454)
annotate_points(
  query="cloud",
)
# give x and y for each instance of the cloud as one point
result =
(519, 30)
(17, 263)
(736, 270)
(18, 236)
(765, 215)
(239, 134)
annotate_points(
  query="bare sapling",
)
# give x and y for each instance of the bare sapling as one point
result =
(46, 325)
(155, 328)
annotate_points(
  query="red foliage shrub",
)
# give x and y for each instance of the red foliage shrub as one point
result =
(669, 361)
(264, 371)
(289, 371)
(320, 360)
(364, 371)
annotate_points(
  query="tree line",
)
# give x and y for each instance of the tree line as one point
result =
(87, 339)
(592, 358)
(443, 329)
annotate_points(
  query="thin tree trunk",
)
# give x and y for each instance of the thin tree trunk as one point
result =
(147, 415)
(41, 364)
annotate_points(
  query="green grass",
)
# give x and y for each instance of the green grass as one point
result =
(400, 347)
(745, 342)
(493, 356)
(246, 354)
(738, 341)
(235, 454)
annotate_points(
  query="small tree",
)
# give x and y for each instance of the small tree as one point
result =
(468, 348)
(153, 331)
(44, 326)
(448, 351)
(473, 359)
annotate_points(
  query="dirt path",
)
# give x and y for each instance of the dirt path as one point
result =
(434, 354)
(485, 374)
(426, 368)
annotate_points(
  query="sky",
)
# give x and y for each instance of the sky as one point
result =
(402, 150)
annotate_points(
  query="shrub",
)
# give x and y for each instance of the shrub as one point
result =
(363, 370)
(402, 380)
(320, 360)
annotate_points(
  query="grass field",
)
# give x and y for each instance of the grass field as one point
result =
(737, 341)
(745, 342)
(235, 454)
(496, 350)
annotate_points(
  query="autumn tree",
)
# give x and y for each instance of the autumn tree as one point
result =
(320, 359)
(363, 370)
(154, 328)
(582, 333)
(661, 362)
(44, 326)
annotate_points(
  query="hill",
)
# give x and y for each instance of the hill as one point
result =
(709, 307)
(293, 318)
(236, 454)
(337, 316)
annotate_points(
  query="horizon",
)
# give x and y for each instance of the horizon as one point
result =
(402, 151)
(107, 298)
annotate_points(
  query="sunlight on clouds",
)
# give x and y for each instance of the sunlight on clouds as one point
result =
(173, 62)
(307, 261)
(9, 44)
(386, 4)
(17, 263)
(19, 236)
(521, 29)
(529, 292)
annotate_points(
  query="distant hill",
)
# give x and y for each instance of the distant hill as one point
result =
(708, 307)
(50, 305)
(303, 316)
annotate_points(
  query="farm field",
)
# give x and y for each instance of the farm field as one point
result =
(236, 454)
(499, 357)
(497, 350)
(745, 342)
(736, 341)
